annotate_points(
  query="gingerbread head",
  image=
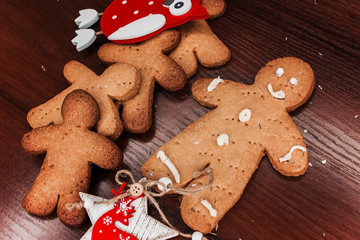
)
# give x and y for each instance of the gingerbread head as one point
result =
(70, 147)
(248, 122)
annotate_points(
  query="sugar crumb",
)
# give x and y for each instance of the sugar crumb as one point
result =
(320, 87)
(323, 162)
(310, 164)
(306, 131)
(43, 68)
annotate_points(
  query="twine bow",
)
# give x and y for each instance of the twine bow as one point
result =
(150, 194)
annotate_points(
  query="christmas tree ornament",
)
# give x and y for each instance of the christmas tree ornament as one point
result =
(131, 21)
(125, 217)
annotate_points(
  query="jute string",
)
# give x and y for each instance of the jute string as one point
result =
(150, 194)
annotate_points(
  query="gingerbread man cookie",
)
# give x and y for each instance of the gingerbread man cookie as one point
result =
(199, 43)
(248, 122)
(150, 59)
(119, 82)
(70, 150)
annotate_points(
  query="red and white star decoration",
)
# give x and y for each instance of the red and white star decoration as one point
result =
(128, 220)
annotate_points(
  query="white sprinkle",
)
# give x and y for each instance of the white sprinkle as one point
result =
(310, 164)
(196, 143)
(323, 162)
(286, 38)
(305, 130)
(114, 17)
(356, 116)
(324, 234)
(43, 68)
(320, 87)
(151, 3)
(136, 12)
(320, 53)
(124, 2)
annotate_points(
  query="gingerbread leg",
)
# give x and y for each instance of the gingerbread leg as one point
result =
(69, 211)
(137, 112)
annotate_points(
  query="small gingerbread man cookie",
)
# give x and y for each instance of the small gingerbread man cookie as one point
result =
(119, 82)
(248, 122)
(150, 59)
(70, 147)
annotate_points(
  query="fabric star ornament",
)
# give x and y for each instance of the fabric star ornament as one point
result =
(131, 221)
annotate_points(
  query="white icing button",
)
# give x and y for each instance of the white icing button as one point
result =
(214, 84)
(222, 139)
(167, 182)
(245, 115)
(294, 81)
(279, 94)
(114, 17)
(136, 189)
(196, 236)
(212, 211)
(136, 12)
(288, 155)
(151, 3)
(164, 159)
(279, 72)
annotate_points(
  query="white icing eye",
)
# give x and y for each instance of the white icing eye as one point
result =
(294, 81)
(279, 72)
(180, 7)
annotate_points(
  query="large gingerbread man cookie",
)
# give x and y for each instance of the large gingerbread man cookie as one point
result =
(150, 59)
(71, 148)
(119, 82)
(248, 122)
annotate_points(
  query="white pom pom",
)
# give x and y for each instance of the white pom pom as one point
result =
(196, 236)
(167, 182)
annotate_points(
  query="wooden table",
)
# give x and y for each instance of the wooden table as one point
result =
(322, 204)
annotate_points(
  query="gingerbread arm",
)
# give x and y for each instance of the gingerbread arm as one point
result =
(199, 42)
(37, 141)
(211, 92)
(287, 151)
(104, 153)
(75, 71)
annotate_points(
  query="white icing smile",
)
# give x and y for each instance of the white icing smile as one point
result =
(288, 155)
(214, 84)
(278, 94)
(165, 160)
(139, 28)
(212, 211)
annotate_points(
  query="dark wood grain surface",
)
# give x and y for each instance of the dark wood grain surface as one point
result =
(323, 204)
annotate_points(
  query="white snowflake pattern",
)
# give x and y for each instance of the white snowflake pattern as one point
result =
(121, 237)
(107, 220)
(123, 207)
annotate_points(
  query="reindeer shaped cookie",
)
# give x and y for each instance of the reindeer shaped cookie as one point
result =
(148, 57)
(70, 149)
(248, 122)
(119, 82)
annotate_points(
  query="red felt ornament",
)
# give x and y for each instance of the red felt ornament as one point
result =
(105, 227)
(131, 21)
